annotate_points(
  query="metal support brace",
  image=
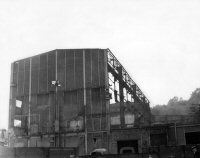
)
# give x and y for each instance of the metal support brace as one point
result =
(121, 94)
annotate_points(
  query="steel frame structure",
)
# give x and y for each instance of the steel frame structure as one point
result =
(125, 81)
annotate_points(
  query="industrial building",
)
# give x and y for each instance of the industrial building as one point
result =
(78, 99)
(69, 102)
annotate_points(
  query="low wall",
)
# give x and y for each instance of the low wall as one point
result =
(6, 152)
(155, 152)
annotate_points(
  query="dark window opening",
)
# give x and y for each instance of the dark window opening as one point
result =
(158, 139)
(192, 138)
(94, 140)
(127, 146)
(127, 151)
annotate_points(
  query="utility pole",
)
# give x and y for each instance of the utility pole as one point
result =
(57, 84)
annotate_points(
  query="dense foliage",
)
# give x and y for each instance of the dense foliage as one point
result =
(178, 106)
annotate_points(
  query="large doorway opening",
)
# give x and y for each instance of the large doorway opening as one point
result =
(192, 138)
(127, 146)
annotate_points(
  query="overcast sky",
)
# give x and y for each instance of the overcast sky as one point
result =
(158, 42)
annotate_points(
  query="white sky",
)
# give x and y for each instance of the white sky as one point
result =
(158, 42)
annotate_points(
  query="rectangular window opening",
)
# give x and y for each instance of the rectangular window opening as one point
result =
(17, 123)
(18, 103)
(192, 137)
(115, 119)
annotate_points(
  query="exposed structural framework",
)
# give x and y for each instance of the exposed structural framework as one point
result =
(124, 80)
(122, 87)
(75, 98)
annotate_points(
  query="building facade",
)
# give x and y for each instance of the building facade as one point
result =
(76, 98)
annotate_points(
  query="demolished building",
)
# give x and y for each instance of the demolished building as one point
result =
(72, 101)
(77, 98)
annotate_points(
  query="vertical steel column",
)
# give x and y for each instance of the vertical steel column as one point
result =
(11, 104)
(175, 133)
(10, 125)
(121, 94)
(84, 102)
(29, 103)
(56, 110)
(57, 123)
(107, 100)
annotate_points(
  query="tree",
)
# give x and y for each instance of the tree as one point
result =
(178, 106)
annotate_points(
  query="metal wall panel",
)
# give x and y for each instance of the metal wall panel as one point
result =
(70, 69)
(78, 69)
(51, 116)
(95, 68)
(15, 73)
(34, 74)
(20, 85)
(43, 74)
(51, 69)
(88, 68)
(71, 109)
(103, 123)
(20, 77)
(90, 123)
(180, 136)
(96, 100)
(95, 81)
(26, 76)
(96, 124)
(89, 102)
(70, 95)
(102, 65)
(61, 68)
(25, 105)
(42, 107)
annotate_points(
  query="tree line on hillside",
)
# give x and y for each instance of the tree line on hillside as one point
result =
(178, 106)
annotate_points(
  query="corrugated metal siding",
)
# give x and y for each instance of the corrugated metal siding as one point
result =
(27, 76)
(20, 77)
(70, 96)
(180, 136)
(78, 69)
(70, 70)
(43, 74)
(51, 69)
(61, 69)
